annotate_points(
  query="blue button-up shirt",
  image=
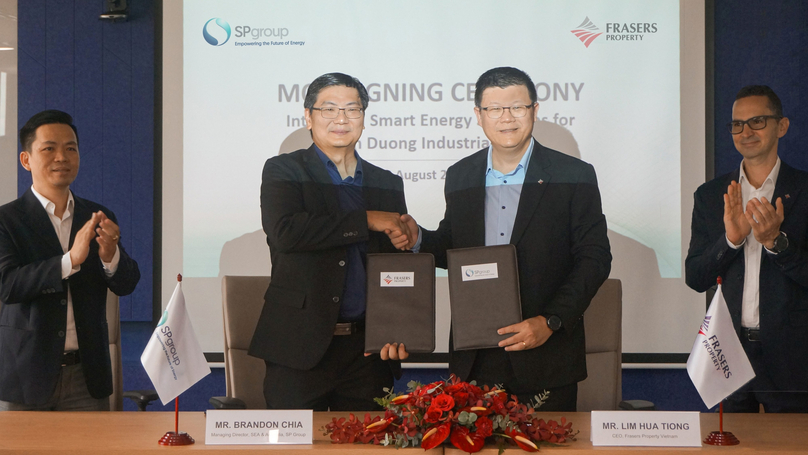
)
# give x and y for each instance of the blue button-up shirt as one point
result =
(350, 199)
(502, 193)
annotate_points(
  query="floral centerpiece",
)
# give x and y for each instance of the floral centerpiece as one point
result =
(466, 415)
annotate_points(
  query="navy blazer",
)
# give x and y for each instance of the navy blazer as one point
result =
(783, 277)
(561, 247)
(33, 318)
(308, 235)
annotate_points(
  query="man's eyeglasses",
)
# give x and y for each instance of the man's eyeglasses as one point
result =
(333, 112)
(755, 123)
(516, 111)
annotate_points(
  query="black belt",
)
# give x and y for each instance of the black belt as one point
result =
(349, 328)
(750, 334)
(70, 358)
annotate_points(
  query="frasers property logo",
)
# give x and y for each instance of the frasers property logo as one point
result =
(586, 32)
(222, 29)
(714, 349)
(716, 353)
(397, 279)
(705, 325)
(615, 31)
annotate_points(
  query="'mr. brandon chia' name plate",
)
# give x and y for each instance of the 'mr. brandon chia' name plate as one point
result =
(400, 302)
(484, 295)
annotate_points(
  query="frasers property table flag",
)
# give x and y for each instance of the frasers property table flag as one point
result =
(172, 358)
(718, 364)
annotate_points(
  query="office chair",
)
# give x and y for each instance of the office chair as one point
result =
(242, 302)
(602, 389)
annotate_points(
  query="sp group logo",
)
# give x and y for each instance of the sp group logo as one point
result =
(223, 27)
(479, 272)
(217, 31)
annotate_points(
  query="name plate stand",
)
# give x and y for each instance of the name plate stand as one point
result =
(646, 428)
(259, 427)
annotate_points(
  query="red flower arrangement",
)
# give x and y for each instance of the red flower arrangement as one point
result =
(466, 415)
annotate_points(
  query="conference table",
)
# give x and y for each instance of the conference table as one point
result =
(138, 432)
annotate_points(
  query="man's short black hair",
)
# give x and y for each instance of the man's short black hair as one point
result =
(763, 90)
(504, 77)
(332, 79)
(28, 131)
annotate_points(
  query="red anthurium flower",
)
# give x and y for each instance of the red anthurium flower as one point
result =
(479, 410)
(379, 425)
(400, 399)
(443, 402)
(484, 426)
(522, 441)
(467, 441)
(435, 436)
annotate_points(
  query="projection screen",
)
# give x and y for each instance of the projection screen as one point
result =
(620, 85)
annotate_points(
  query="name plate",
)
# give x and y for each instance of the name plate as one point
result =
(224, 426)
(646, 428)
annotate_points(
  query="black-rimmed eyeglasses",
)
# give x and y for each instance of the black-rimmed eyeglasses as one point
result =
(333, 112)
(516, 111)
(755, 123)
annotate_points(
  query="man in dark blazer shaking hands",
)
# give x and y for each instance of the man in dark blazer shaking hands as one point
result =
(323, 210)
(59, 254)
(750, 228)
(548, 205)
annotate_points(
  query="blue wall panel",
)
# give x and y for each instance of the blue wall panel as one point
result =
(88, 85)
(761, 43)
(142, 158)
(59, 54)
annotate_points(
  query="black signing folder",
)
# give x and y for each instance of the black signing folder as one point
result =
(400, 301)
(483, 294)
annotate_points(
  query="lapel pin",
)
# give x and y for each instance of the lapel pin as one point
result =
(788, 196)
(542, 181)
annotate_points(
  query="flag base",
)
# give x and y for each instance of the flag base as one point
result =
(721, 438)
(175, 439)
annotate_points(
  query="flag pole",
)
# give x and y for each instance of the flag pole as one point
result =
(175, 438)
(177, 415)
(720, 437)
(177, 398)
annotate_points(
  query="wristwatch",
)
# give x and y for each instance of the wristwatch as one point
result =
(553, 322)
(780, 243)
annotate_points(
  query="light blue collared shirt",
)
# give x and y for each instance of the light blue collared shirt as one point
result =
(502, 193)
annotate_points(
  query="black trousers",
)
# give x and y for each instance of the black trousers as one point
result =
(493, 367)
(344, 380)
(762, 390)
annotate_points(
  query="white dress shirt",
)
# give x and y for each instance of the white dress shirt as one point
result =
(62, 227)
(752, 249)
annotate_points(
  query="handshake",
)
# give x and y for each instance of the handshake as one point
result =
(402, 229)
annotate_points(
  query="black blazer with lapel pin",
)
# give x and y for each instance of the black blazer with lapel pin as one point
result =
(562, 252)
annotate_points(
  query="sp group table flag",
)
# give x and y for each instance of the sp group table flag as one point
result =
(172, 358)
(718, 364)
